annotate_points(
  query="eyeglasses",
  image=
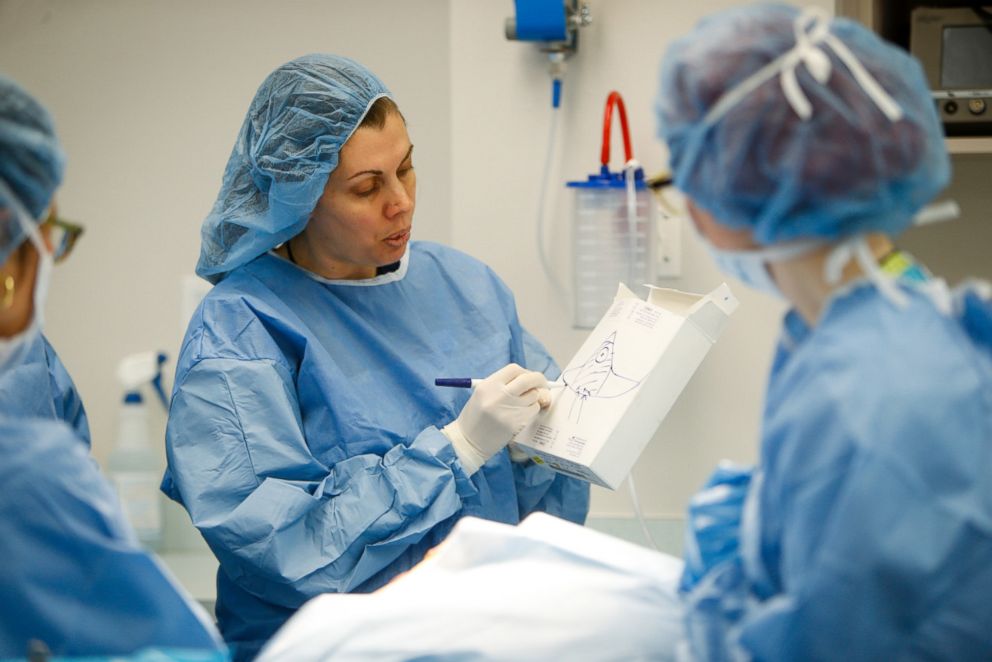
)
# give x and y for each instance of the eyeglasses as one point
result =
(63, 234)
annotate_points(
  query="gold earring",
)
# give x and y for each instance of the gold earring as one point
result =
(8, 292)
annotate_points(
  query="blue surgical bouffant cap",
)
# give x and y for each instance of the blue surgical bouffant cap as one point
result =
(302, 114)
(798, 125)
(31, 164)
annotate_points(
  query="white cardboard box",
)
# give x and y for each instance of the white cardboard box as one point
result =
(622, 382)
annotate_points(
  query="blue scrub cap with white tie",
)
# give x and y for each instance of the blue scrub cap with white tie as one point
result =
(797, 125)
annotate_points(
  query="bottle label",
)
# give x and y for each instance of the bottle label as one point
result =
(139, 495)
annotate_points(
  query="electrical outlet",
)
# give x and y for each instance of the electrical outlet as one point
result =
(669, 233)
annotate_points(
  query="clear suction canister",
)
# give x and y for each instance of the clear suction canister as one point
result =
(613, 229)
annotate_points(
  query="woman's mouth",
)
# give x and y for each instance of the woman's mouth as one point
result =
(398, 239)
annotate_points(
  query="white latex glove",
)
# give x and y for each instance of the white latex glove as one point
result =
(500, 406)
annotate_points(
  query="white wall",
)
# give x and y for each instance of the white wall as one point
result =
(960, 250)
(500, 115)
(148, 97)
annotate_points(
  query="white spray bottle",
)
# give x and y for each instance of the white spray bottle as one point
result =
(135, 465)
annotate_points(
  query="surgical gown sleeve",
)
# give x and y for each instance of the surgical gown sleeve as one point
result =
(714, 521)
(539, 488)
(284, 525)
(74, 575)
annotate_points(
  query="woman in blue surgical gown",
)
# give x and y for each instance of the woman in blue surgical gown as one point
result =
(75, 582)
(803, 144)
(306, 437)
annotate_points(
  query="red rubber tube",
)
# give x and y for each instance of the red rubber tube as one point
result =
(615, 100)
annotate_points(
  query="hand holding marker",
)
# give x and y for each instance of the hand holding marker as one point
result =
(500, 406)
(472, 382)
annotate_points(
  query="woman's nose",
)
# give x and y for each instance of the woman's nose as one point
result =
(400, 201)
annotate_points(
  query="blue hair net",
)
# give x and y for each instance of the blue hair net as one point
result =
(302, 114)
(770, 126)
(31, 163)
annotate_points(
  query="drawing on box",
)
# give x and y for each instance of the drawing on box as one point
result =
(596, 379)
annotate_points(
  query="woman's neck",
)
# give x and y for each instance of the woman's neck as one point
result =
(802, 280)
(299, 251)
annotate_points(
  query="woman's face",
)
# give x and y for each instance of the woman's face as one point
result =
(363, 219)
(718, 234)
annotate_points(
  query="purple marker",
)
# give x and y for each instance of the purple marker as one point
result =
(468, 382)
(456, 382)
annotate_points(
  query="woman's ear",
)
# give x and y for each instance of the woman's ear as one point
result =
(17, 280)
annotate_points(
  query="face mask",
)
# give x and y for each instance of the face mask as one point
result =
(14, 349)
(751, 267)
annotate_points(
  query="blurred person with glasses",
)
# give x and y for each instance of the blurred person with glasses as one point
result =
(75, 581)
(34, 381)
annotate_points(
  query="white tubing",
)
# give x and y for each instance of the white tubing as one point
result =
(629, 170)
(542, 203)
(637, 511)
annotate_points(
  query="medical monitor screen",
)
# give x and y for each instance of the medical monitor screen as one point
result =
(967, 58)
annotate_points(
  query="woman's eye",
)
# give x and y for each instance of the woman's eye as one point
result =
(366, 192)
(403, 172)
